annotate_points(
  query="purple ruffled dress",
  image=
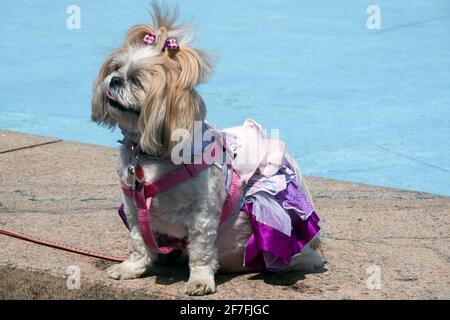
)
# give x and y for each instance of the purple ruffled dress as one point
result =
(277, 203)
(282, 223)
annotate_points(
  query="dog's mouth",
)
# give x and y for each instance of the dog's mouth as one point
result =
(112, 100)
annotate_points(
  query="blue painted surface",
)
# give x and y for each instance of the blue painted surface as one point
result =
(370, 106)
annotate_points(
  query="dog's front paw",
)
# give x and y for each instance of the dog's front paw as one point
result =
(125, 271)
(200, 286)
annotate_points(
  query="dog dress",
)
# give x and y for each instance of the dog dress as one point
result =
(274, 196)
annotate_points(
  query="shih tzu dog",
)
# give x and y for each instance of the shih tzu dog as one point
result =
(235, 201)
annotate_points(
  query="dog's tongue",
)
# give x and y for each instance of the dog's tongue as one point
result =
(110, 96)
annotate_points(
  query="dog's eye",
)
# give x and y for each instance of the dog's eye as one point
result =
(135, 81)
(115, 67)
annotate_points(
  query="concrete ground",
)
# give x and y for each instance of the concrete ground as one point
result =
(68, 192)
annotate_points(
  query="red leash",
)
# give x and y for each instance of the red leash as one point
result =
(61, 246)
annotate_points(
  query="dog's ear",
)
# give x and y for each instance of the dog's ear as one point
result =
(153, 114)
(99, 113)
(196, 66)
(168, 107)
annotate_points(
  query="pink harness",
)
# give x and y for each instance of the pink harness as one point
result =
(144, 193)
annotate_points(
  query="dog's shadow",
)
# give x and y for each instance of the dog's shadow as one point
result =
(178, 271)
(174, 270)
(284, 278)
(169, 270)
(168, 274)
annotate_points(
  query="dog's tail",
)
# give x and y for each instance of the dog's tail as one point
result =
(300, 180)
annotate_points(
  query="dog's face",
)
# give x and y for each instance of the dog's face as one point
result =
(147, 89)
(125, 86)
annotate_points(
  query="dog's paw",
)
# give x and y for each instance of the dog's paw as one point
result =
(199, 287)
(309, 261)
(124, 271)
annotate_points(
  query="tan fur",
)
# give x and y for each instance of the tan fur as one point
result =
(170, 102)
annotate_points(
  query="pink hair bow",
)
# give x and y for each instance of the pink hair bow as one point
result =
(171, 44)
(149, 38)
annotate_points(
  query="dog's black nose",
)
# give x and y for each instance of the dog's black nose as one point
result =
(116, 82)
